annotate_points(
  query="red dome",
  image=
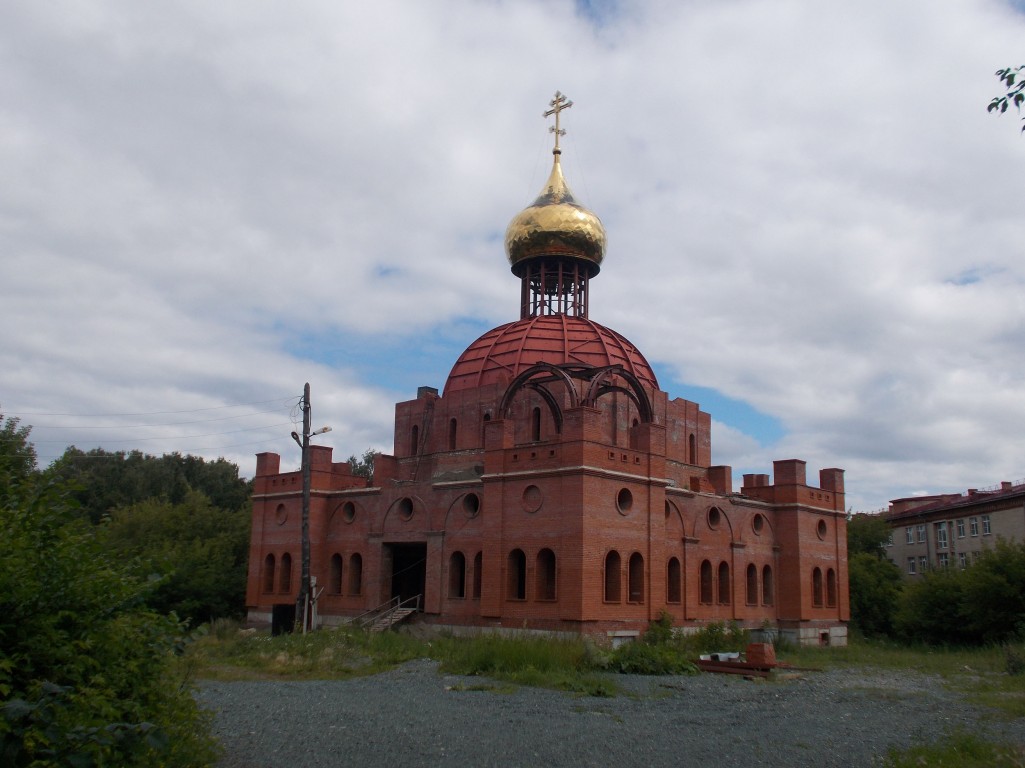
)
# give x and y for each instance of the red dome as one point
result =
(505, 351)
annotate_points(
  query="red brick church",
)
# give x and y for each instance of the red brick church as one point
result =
(552, 485)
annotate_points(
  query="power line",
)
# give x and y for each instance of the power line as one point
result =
(23, 414)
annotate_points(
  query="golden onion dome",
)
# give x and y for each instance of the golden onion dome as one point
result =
(555, 224)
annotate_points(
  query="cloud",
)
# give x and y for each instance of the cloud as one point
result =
(809, 212)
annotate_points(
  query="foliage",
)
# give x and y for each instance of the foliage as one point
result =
(718, 636)
(1013, 79)
(960, 749)
(643, 658)
(984, 603)
(103, 481)
(87, 673)
(17, 454)
(227, 653)
(875, 588)
(867, 534)
(198, 551)
(363, 466)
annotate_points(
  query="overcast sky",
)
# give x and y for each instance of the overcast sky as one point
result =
(815, 228)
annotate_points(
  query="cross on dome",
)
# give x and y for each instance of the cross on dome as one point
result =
(559, 103)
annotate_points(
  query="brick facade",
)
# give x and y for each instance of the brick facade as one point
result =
(554, 486)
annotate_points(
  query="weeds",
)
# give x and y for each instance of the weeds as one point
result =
(964, 750)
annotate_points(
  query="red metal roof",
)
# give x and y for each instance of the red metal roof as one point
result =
(503, 352)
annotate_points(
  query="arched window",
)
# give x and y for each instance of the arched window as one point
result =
(452, 435)
(673, 581)
(636, 585)
(767, 586)
(414, 440)
(816, 587)
(285, 584)
(335, 587)
(517, 575)
(613, 577)
(457, 575)
(724, 583)
(545, 575)
(356, 574)
(706, 583)
(831, 588)
(752, 584)
(478, 565)
(692, 449)
(268, 573)
(535, 424)
(483, 427)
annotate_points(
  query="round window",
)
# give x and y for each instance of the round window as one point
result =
(758, 523)
(532, 498)
(281, 514)
(624, 501)
(714, 518)
(406, 508)
(820, 529)
(348, 511)
(471, 504)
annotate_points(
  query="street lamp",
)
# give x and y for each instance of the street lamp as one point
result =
(303, 600)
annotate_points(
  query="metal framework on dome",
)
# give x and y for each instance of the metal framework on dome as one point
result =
(555, 245)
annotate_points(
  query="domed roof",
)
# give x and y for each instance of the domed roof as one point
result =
(555, 224)
(504, 352)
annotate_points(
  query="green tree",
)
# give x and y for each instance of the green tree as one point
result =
(1013, 79)
(930, 609)
(875, 585)
(868, 534)
(875, 582)
(363, 466)
(104, 481)
(198, 551)
(985, 603)
(17, 454)
(994, 594)
(87, 672)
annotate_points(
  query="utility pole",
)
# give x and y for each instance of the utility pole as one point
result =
(302, 604)
(303, 611)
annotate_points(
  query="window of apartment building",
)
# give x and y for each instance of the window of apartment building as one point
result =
(974, 524)
(921, 534)
(889, 539)
(909, 535)
(923, 563)
(960, 528)
(962, 560)
(986, 530)
(944, 559)
(911, 566)
(976, 555)
(941, 535)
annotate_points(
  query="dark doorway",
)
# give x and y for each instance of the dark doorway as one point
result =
(282, 618)
(409, 570)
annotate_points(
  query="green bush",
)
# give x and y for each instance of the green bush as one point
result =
(719, 636)
(875, 588)
(985, 603)
(642, 658)
(88, 674)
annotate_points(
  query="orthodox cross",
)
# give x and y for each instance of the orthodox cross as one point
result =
(558, 104)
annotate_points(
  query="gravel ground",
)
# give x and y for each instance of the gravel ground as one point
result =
(415, 716)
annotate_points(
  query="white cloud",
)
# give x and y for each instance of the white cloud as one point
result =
(809, 210)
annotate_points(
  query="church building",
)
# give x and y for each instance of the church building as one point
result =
(553, 485)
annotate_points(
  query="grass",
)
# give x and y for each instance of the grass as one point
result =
(958, 750)
(983, 675)
(225, 653)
